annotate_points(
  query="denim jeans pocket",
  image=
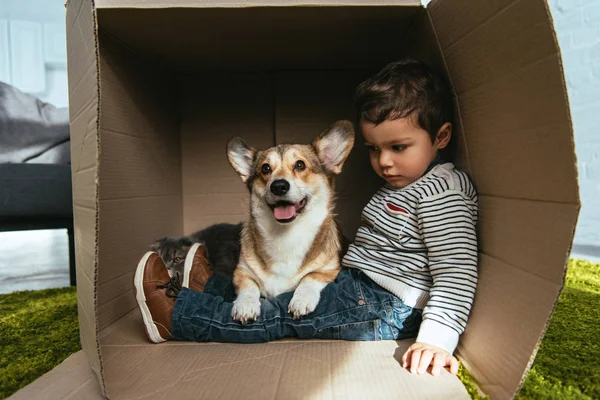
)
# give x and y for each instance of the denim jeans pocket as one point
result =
(367, 330)
(406, 319)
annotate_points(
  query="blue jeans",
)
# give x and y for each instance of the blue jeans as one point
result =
(351, 308)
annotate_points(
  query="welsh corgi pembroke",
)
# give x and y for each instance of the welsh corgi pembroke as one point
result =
(290, 241)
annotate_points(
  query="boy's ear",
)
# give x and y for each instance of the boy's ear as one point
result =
(444, 134)
(241, 157)
(333, 146)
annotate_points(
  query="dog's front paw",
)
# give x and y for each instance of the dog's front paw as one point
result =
(246, 309)
(304, 301)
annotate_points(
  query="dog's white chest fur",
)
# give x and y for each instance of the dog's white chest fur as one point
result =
(287, 247)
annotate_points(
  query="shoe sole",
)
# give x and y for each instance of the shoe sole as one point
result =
(187, 266)
(138, 280)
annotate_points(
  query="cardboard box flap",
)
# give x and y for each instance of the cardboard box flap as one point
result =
(507, 228)
(508, 319)
(83, 113)
(71, 379)
(503, 61)
(246, 3)
(507, 75)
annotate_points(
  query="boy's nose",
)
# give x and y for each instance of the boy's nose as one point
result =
(385, 161)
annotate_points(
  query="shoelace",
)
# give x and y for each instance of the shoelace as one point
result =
(173, 286)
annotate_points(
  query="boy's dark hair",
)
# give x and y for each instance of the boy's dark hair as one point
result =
(401, 88)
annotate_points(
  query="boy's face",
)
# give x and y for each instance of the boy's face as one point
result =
(400, 150)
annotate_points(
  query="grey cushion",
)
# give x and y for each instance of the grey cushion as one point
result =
(35, 190)
(32, 131)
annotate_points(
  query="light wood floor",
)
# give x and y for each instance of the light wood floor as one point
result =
(31, 260)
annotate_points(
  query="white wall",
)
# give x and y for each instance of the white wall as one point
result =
(33, 48)
(577, 24)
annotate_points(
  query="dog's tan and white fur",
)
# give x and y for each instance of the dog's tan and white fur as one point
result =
(290, 241)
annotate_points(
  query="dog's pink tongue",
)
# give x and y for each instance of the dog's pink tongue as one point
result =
(284, 212)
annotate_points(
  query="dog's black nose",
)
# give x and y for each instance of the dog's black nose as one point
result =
(280, 187)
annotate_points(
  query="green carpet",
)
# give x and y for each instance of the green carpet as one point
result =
(38, 330)
(567, 365)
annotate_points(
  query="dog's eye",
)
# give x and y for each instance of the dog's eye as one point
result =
(265, 169)
(300, 166)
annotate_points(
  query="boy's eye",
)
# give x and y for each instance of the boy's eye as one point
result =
(398, 147)
(300, 166)
(371, 148)
(265, 169)
(178, 260)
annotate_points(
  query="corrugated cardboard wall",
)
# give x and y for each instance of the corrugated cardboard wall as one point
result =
(216, 108)
(83, 114)
(140, 195)
(506, 72)
(274, 38)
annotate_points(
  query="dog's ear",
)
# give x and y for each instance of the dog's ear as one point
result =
(333, 146)
(241, 157)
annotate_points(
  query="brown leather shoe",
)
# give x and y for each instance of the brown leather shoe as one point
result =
(155, 292)
(196, 269)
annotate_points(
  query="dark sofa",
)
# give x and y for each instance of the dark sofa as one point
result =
(35, 166)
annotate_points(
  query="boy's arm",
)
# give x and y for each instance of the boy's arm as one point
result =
(447, 223)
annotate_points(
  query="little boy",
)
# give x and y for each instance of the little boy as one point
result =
(412, 270)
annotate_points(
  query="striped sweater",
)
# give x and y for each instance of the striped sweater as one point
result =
(419, 243)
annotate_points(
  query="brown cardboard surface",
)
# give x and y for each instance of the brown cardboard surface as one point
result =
(510, 311)
(508, 228)
(73, 379)
(310, 370)
(485, 65)
(244, 3)
(83, 114)
(172, 97)
(139, 134)
(510, 99)
(138, 130)
(215, 110)
(275, 38)
(453, 25)
(290, 369)
(120, 232)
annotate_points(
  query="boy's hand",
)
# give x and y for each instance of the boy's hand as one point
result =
(420, 356)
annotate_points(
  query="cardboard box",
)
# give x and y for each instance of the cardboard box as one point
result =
(158, 87)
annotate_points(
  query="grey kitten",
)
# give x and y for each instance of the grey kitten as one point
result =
(172, 250)
(222, 243)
